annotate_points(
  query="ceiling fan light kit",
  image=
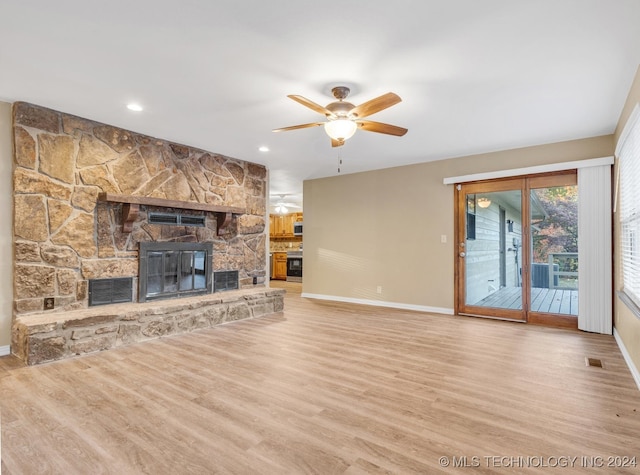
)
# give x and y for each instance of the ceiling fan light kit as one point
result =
(340, 129)
(282, 207)
(343, 118)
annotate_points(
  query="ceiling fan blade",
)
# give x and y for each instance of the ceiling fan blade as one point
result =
(337, 143)
(310, 104)
(381, 128)
(375, 105)
(301, 126)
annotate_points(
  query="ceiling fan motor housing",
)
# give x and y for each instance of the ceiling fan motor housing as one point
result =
(340, 109)
(340, 92)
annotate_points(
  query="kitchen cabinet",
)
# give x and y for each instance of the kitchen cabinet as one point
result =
(279, 266)
(281, 225)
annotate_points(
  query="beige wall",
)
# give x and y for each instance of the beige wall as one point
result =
(6, 236)
(383, 228)
(626, 324)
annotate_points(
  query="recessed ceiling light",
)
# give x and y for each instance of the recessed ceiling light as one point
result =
(264, 148)
(134, 107)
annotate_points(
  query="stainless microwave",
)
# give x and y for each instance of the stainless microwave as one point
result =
(297, 228)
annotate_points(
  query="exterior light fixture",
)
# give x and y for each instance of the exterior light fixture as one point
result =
(484, 202)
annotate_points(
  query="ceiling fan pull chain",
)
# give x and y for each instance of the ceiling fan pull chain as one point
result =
(339, 159)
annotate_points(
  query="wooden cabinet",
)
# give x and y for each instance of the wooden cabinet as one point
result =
(281, 225)
(279, 266)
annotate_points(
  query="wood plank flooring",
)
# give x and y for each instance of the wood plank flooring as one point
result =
(561, 301)
(327, 388)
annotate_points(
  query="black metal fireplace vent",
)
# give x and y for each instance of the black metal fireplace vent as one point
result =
(106, 291)
(225, 280)
(177, 219)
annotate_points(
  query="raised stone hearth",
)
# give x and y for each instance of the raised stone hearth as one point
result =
(39, 338)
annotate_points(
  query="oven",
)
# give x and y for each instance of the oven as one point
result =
(294, 266)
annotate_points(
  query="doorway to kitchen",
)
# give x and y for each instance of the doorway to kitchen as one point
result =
(517, 249)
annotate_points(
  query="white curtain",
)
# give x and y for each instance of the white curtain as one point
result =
(594, 250)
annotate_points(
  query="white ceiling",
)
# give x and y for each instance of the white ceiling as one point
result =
(475, 76)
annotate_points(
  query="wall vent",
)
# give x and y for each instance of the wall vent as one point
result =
(177, 219)
(106, 291)
(225, 280)
(187, 220)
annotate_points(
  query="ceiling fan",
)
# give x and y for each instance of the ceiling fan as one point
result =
(283, 208)
(343, 118)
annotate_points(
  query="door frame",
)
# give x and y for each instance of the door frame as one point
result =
(567, 178)
(525, 184)
(461, 191)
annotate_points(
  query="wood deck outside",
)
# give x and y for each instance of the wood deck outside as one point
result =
(559, 301)
(327, 388)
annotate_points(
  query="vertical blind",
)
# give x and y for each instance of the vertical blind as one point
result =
(628, 153)
(594, 248)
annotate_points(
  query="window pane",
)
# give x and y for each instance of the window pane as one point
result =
(186, 270)
(171, 271)
(199, 264)
(629, 164)
(554, 250)
(154, 273)
(493, 262)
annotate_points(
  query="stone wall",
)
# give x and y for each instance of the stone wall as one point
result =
(63, 236)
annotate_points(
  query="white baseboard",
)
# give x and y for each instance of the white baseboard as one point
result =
(380, 303)
(5, 350)
(627, 357)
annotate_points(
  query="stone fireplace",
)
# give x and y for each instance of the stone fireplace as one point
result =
(84, 193)
(94, 204)
(174, 269)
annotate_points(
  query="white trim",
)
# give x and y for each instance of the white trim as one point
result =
(380, 303)
(552, 167)
(627, 358)
(633, 117)
(5, 350)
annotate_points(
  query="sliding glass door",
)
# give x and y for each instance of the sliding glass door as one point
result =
(517, 249)
(490, 252)
(553, 240)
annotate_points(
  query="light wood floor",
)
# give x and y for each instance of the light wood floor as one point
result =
(326, 388)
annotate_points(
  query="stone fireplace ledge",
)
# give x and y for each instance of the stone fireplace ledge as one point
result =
(43, 337)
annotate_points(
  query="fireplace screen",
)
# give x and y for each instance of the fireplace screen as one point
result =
(174, 269)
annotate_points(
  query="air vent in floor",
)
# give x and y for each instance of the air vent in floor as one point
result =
(595, 362)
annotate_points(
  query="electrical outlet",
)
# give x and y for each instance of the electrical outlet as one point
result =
(443, 238)
(255, 280)
(379, 289)
(49, 303)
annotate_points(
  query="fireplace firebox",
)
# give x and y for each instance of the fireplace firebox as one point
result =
(174, 269)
